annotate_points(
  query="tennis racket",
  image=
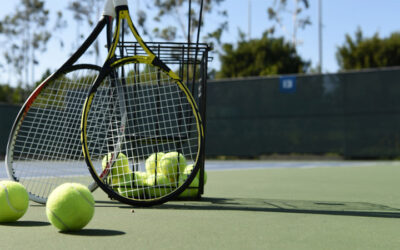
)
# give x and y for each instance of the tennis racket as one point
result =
(44, 148)
(142, 133)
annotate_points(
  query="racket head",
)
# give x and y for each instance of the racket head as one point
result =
(135, 110)
(44, 149)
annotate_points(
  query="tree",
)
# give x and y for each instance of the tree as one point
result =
(86, 11)
(14, 95)
(277, 10)
(177, 11)
(374, 52)
(260, 57)
(26, 32)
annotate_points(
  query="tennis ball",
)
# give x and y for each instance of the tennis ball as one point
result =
(14, 201)
(192, 190)
(189, 169)
(153, 163)
(122, 180)
(120, 167)
(172, 164)
(139, 182)
(128, 183)
(189, 193)
(161, 185)
(183, 178)
(70, 207)
(139, 179)
(160, 180)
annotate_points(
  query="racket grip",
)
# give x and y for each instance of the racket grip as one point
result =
(109, 9)
(93, 186)
(120, 3)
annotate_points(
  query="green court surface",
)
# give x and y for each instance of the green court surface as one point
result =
(282, 208)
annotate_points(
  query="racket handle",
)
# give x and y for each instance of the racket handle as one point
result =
(109, 9)
(93, 186)
(120, 3)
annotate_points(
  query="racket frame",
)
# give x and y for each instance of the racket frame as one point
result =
(106, 20)
(122, 13)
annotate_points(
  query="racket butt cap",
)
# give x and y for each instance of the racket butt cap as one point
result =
(118, 3)
(109, 9)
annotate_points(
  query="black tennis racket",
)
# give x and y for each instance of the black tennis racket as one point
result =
(141, 129)
(44, 148)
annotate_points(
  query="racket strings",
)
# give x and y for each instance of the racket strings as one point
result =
(47, 149)
(159, 118)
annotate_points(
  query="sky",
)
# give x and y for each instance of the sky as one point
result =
(339, 17)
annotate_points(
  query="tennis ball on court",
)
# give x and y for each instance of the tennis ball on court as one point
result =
(138, 178)
(14, 201)
(161, 185)
(189, 169)
(160, 180)
(171, 164)
(192, 190)
(132, 192)
(183, 178)
(122, 180)
(70, 207)
(137, 189)
(153, 163)
(120, 167)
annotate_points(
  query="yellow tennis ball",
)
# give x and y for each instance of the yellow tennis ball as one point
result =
(120, 167)
(137, 189)
(70, 207)
(189, 169)
(183, 178)
(161, 185)
(138, 178)
(192, 190)
(14, 201)
(189, 193)
(172, 164)
(122, 180)
(153, 163)
(161, 180)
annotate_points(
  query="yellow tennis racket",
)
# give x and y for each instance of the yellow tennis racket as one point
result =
(141, 129)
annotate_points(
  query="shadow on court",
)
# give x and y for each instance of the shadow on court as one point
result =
(286, 206)
(98, 203)
(28, 223)
(95, 232)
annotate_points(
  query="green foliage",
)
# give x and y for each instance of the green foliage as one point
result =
(5, 93)
(12, 95)
(374, 52)
(26, 32)
(260, 57)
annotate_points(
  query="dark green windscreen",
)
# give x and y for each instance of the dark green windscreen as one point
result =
(350, 114)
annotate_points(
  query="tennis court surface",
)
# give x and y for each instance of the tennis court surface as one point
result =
(246, 205)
